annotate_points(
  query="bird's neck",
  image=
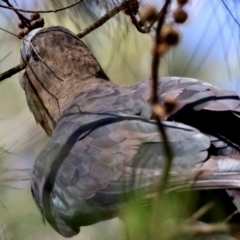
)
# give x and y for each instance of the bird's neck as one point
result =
(81, 91)
(61, 99)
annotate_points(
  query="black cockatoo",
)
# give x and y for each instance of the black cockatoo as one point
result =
(104, 142)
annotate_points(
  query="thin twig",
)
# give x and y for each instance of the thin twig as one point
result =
(40, 11)
(229, 11)
(200, 212)
(231, 216)
(104, 19)
(13, 34)
(5, 57)
(123, 6)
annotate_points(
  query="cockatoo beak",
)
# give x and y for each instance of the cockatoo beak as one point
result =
(26, 47)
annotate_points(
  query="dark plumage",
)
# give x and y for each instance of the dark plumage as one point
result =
(104, 143)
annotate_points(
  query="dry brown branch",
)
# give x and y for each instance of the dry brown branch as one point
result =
(24, 20)
(15, 69)
(231, 216)
(10, 72)
(186, 229)
(155, 100)
(202, 211)
(39, 11)
(104, 19)
(26, 24)
(167, 150)
(204, 229)
(136, 23)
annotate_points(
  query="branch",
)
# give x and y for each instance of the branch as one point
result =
(201, 211)
(136, 23)
(231, 216)
(104, 19)
(189, 228)
(10, 72)
(20, 16)
(40, 11)
(203, 229)
(155, 100)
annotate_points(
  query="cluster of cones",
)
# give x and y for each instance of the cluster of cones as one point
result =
(26, 25)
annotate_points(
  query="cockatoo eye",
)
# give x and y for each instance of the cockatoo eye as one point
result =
(34, 54)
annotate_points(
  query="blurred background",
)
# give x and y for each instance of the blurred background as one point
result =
(209, 51)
